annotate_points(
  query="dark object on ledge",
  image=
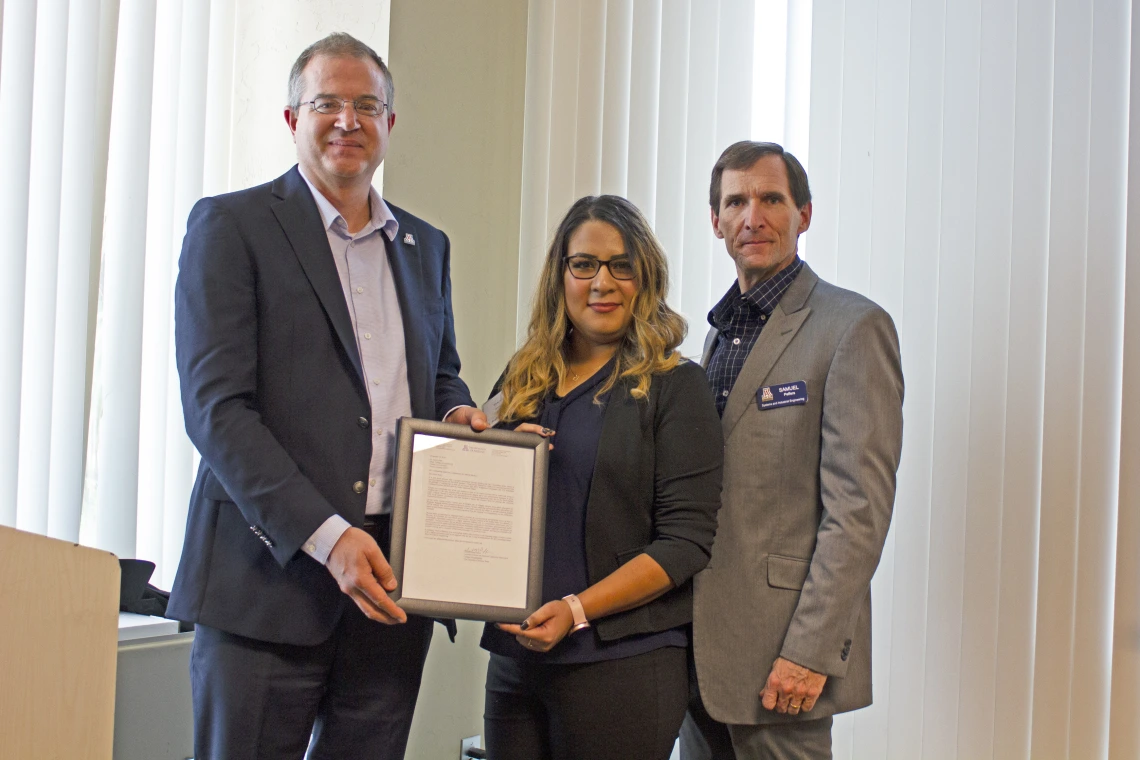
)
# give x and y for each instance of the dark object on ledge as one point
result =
(135, 593)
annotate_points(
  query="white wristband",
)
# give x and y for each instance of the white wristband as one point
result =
(576, 610)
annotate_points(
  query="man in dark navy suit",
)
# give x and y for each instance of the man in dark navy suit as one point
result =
(309, 315)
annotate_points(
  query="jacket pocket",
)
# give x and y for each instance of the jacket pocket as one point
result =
(787, 572)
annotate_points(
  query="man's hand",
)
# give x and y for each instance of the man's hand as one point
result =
(791, 688)
(359, 568)
(468, 415)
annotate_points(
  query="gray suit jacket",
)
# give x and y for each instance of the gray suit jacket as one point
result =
(807, 500)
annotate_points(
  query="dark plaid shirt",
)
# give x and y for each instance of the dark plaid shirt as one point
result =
(739, 318)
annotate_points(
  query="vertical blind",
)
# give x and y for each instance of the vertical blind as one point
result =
(1124, 733)
(107, 137)
(635, 98)
(17, 56)
(120, 114)
(970, 167)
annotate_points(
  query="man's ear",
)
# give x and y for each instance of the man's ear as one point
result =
(291, 120)
(715, 223)
(805, 218)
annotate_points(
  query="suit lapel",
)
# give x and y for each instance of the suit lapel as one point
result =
(786, 320)
(298, 216)
(407, 273)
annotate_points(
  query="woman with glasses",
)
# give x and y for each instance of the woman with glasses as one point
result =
(600, 670)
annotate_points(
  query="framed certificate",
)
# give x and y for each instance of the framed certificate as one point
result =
(468, 521)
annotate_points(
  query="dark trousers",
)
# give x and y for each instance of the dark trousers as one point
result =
(705, 738)
(353, 694)
(702, 736)
(627, 709)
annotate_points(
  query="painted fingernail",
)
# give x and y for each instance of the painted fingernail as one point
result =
(524, 625)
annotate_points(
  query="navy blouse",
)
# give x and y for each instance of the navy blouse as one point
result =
(577, 422)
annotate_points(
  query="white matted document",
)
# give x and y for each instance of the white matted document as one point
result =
(468, 521)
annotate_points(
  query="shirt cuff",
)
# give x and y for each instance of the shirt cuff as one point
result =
(452, 409)
(321, 543)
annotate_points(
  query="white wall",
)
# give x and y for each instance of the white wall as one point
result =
(269, 36)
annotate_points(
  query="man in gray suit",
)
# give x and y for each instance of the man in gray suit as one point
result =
(809, 384)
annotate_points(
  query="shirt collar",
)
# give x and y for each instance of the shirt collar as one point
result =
(763, 296)
(382, 217)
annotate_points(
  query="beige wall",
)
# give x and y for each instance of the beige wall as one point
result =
(456, 156)
(456, 160)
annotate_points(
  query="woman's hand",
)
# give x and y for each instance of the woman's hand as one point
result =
(546, 626)
(530, 427)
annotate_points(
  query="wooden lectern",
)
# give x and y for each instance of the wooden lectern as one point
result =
(59, 622)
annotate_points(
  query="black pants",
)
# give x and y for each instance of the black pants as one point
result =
(627, 709)
(353, 694)
(702, 737)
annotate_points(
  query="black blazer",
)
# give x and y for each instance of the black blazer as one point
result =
(274, 400)
(655, 490)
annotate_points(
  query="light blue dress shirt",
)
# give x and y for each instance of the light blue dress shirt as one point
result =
(370, 293)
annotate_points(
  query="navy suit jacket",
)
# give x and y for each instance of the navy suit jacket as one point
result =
(275, 401)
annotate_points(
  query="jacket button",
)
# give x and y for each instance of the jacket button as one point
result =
(362, 422)
(358, 486)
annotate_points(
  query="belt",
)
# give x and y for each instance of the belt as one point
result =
(380, 528)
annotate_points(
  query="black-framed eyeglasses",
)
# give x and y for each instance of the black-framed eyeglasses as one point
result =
(583, 266)
(329, 106)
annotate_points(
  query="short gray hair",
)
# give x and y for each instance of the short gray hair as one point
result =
(337, 45)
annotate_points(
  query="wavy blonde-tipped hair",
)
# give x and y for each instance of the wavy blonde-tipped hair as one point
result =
(648, 346)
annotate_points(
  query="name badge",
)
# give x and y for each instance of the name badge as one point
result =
(491, 408)
(784, 394)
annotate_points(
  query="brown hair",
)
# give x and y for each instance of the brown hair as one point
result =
(648, 346)
(743, 154)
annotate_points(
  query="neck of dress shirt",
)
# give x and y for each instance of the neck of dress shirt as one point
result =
(382, 217)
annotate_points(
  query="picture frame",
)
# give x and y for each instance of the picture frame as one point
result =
(468, 521)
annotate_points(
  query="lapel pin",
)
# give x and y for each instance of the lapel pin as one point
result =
(409, 239)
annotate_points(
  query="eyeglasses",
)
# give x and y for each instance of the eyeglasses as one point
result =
(585, 267)
(364, 107)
